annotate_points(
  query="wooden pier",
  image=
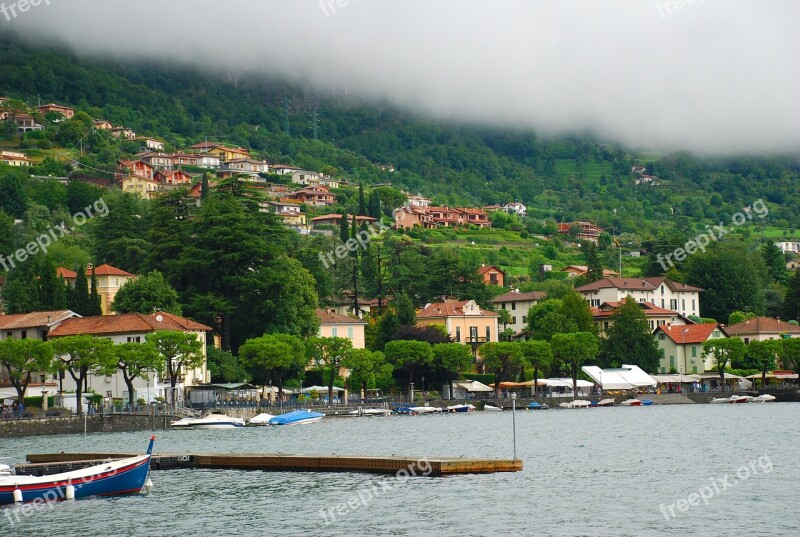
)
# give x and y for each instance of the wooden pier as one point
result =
(51, 463)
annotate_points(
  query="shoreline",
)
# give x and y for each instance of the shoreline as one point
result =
(111, 423)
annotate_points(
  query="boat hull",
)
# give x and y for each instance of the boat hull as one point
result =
(107, 479)
(297, 417)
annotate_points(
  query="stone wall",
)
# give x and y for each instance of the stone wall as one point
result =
(75, 424)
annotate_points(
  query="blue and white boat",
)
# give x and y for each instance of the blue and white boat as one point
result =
(533, 405)
(212, 421)
(296, 417)
(121, 476)
(460, 408)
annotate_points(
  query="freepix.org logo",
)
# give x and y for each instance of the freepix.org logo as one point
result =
(14, 9)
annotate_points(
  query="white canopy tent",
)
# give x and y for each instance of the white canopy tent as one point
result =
(676, 379)
(320, 389)
(627, 377)
(562, 387)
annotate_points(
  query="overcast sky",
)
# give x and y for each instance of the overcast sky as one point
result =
(705, 75)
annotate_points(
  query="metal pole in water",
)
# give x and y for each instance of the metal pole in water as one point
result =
(514, 421)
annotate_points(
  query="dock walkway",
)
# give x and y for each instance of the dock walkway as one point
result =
(51, 463)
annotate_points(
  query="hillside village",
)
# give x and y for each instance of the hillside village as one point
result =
(669, 311)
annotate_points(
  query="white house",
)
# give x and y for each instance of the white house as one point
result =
(133, 328)
(518, 304)
(789, 247)
(660, 291)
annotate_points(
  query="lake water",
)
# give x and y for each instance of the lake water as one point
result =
(593, 472)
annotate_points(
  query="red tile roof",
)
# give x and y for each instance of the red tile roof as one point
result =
(125, 323)
(762, 325)
(34, 319)
(689, 334)
(484, 270)
(608, 309)
(108, 270)
(66, 273)
(636, 284)
(520, 297)
(330, 317)
(438, 310)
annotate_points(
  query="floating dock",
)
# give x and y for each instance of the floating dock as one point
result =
(52, 463)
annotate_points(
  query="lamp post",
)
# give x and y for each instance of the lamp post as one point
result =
(412, 393)
(514, 421)
(423, 387)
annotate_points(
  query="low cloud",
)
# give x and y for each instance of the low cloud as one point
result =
(710, 76)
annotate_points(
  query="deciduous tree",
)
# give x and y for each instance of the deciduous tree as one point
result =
(452, 359)
(82, 356)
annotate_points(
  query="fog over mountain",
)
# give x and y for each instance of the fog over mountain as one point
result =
(710, 76)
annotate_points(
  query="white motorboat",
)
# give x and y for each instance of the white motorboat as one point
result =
(577, 403)
(212, 421)
(370, 412)
(605, 402)
(764, 398)
(460, 408)
(182, 423)
(631, 402)
(261, 419)
(492, 408)
(425, 409)
(732, 399)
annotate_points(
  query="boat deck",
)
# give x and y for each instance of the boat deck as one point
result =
(51, 463)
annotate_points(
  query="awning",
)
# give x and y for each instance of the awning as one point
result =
(567, 383)
(320, 389)
(473, 386)
(627, 377)
(675, 379)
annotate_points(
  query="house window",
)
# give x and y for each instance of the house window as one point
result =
(513, 306)
(488, 333)
(524, 319)
(673, 303)
(44, 334)
(350, 332)
(458, 334)
(24, 334)
(692, 304)
(671, 363)
(662, 302)
(333, 331)
(694, 352)
(746, 340)
(473, 333)
(504, 305)
(513, 320)
(661, 336)
(605, 325)
(683, 304)
(493, 278)
(9, 335)
(129, 339)
(694, 369)
(663, 369)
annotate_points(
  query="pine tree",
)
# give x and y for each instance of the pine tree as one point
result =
(374, 204)
(204, 186)
(406, 314)
(94, 304)
(791, 303)
(629, 339)
(774, 260)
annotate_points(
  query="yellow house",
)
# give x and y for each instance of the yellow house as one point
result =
(465, 321)
(109, 280)
(141, 186)
(227, 154)
(335, 325)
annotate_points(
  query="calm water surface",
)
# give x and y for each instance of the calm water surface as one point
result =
(592, 472)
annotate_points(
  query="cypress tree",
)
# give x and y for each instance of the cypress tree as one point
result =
(94, 304)
(344, 228)
(79, 297)
(362, 204)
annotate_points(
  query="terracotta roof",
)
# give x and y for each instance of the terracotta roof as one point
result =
(108, 270)
(34, 319)
(336, 216)
(449, 309)
(66, 273)
(125, 323)
(688, 334)
(636, 284)
(607, 309)
(484, 270)
(329, 317)
(516, 296)
(762, 325)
